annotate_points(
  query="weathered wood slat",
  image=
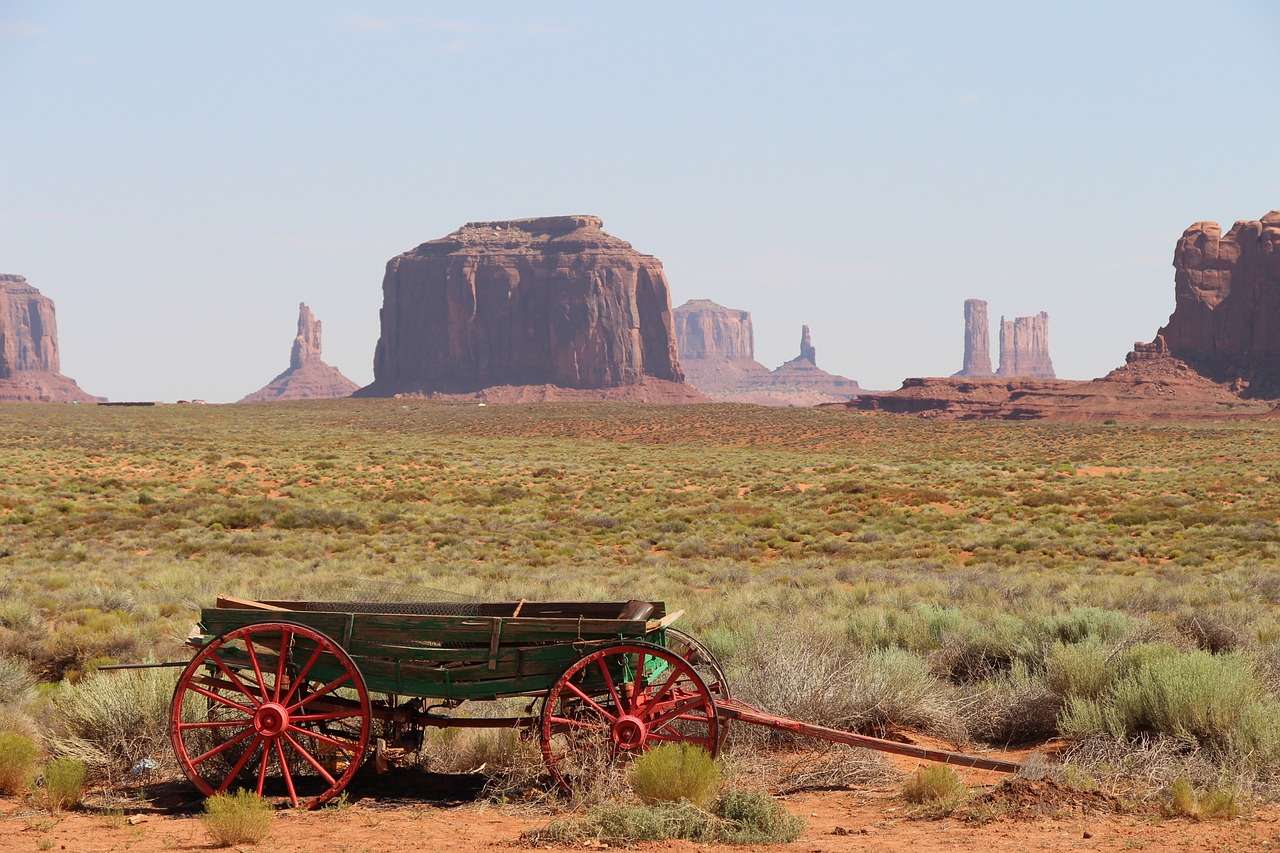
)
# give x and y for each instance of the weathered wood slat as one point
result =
(530, 609)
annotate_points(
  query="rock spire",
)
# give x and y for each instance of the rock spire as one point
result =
(977, 341)
(308, 376)
(1024, 347)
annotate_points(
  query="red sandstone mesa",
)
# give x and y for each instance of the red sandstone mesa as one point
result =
(553, 302)
(29, 364)
(1226, 318)
(717, 353)
(308, 376)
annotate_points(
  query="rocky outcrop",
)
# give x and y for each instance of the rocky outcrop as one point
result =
(30, 369)
(977, 340)
(705, 330)
(1024, 347)
(1173, 394)
(717, 352)
(1226, 319)
(549, 301)
(308, 377)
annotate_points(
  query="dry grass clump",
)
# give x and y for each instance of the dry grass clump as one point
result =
(17, 762)
(935, 784)
(64, 780)
(512, 765)
(110, 721)
(16, 680)
(737, 817)
(239, 818)
(837, 766)
(817, 678)
(1183, 800)
(671, 772)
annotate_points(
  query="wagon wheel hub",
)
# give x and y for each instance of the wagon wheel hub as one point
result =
(629, 733)
(271, 720)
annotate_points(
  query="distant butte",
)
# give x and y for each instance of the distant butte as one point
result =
(308, 376)
(553, 303)
(30, 370)
(717, 352)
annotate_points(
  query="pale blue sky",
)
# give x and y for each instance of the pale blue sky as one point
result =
(178, 177)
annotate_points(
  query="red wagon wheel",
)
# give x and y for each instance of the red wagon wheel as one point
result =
(623, 700)
(241, 707)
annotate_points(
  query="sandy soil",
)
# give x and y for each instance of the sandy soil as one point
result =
(1038, 818)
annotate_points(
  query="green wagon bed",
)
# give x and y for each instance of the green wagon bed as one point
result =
(451, 650)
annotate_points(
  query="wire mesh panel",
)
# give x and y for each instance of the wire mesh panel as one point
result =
(369, 596)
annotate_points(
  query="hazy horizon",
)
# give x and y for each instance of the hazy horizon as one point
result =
(178, 180)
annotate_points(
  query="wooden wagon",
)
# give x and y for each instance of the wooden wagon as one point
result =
(289, 698)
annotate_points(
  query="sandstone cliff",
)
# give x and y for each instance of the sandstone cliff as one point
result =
(977, 340)
(717, 352)
(1226, 318)
(1024, 347)
(308, 377)
(551, 301)
(29, 362)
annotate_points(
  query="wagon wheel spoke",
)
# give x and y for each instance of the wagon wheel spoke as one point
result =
(323, 691)
(638, 685)
(285, 636)
(262, 769)
(302, 674)
(666, 718)
(233, 678)
(239, 765)
(257, 668)
(578, 724)
(589, 702)
(338, 742)
(218, 698)
(286, 773)
(667, 687)
(613, 689)
(319, 718)
(222, 747)
(216, 724)
(309, 758)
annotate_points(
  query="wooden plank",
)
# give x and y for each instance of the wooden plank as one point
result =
(245, 603)
(400, 629)
(658, 624)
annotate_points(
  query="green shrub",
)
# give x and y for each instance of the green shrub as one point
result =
(672, 772)
(17, 761)
(933, 784)
(239, 818)
(738, 817)
(754, 817)
(1215, 701)
(64, 783)
(110, 721)
(1078, 669)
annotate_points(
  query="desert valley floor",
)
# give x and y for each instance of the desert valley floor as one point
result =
(998, 587)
